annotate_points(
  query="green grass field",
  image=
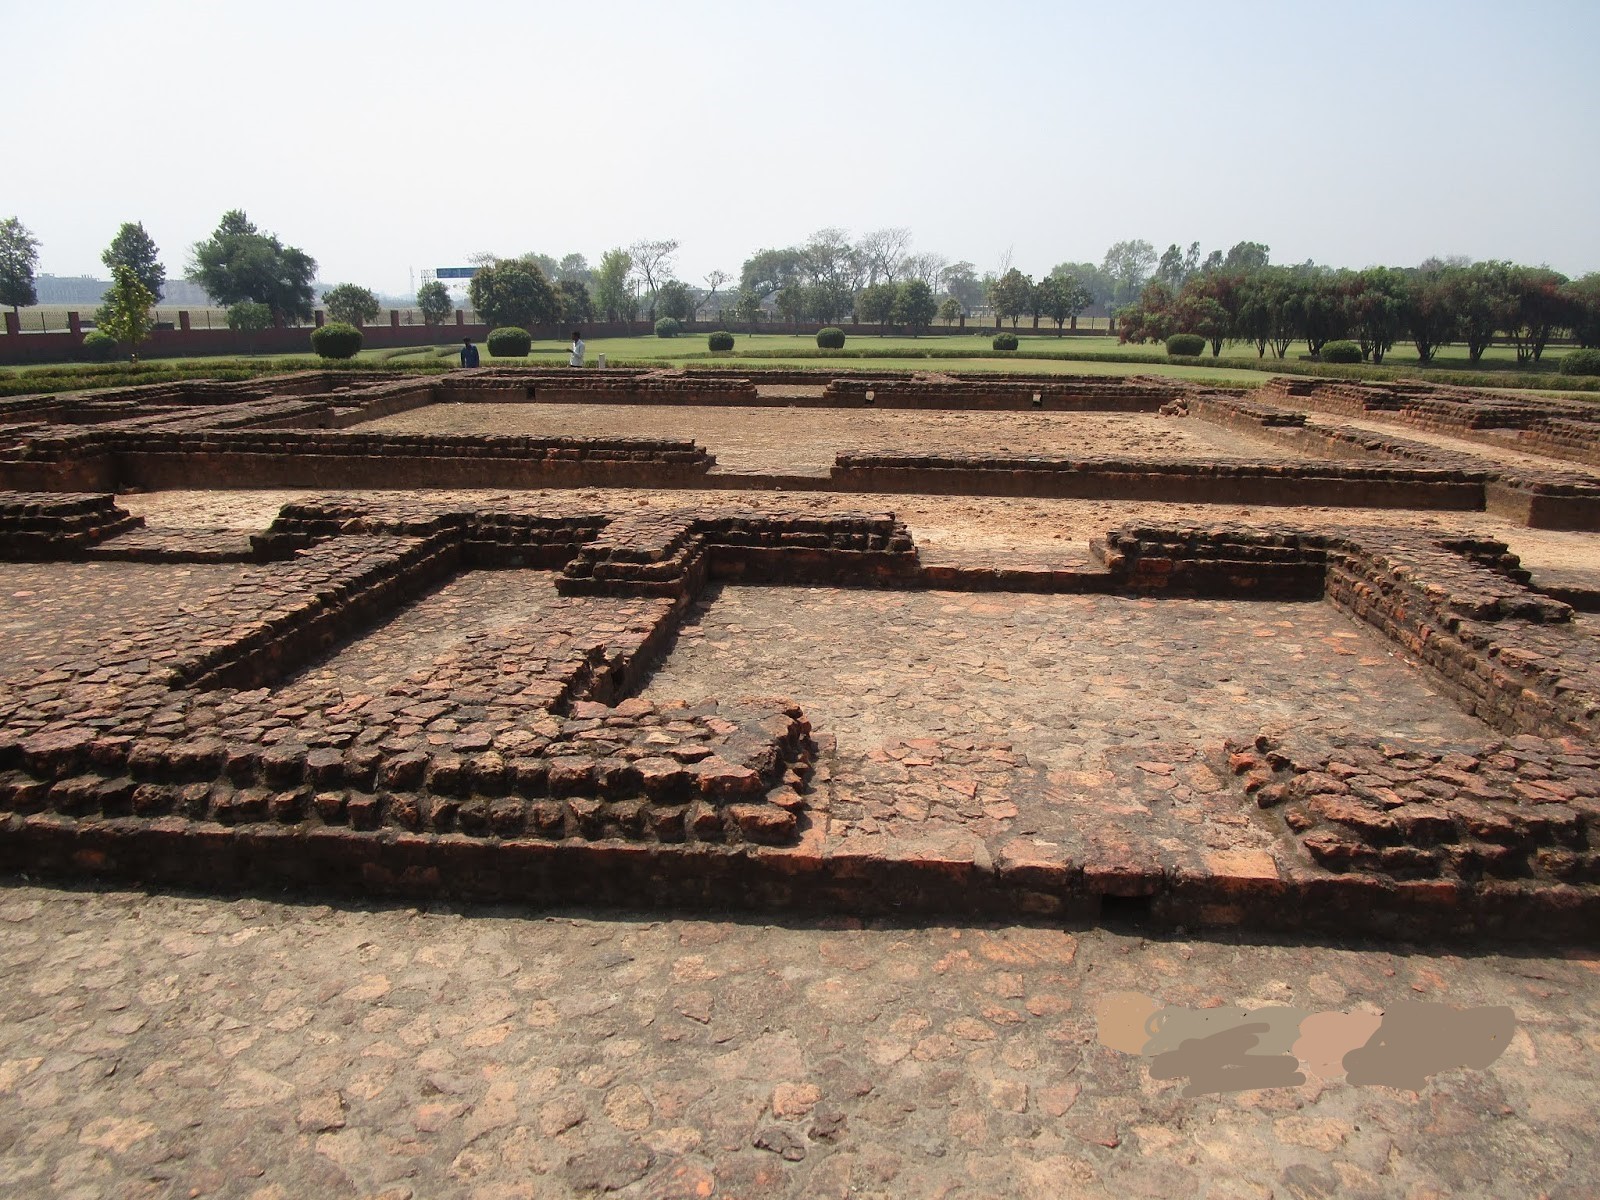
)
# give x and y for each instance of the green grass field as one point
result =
(1239, 366)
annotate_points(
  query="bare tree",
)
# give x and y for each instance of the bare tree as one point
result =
(653, 262)
(883, 253)
(928, 268)
(714, 280)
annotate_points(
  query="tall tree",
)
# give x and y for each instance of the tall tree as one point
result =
(351, 303)
(133, 247)
(1177, 265)
(833, 272)
(1061, 298)
(714, 280)
(881, 254)
(19, 255)
(766, 272)
(514, 292)
(914, 305)
(875, 305)
(613, 295)
(1583, 309)
(576, 268)
(1377, 301)
(961, 281)
(1539, 308)
(125, 315)
(573, 301)
(653, 262)
(1129, 264)
(239, 263)
(1011, 295)
(1247, 256)
(1429, 317)
(433, 298)
(1483, 302)
(674, 299)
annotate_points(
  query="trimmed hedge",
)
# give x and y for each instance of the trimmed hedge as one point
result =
(1186, 345)
(1341, 352)
(830, 338)
(1005, 341)
(336, 340)
(509, 342)
(99, 345)
(721, 340)
(1580, 362)
(668, 327)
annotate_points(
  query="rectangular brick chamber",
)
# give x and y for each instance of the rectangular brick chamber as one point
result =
(807, 440)
(1058, 681)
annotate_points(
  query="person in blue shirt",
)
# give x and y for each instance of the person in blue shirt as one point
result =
(469, 353)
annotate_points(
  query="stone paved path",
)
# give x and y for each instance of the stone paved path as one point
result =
(169, 1046)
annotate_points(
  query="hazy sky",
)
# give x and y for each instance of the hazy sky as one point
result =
(385, 137)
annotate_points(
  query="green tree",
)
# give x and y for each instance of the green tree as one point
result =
(1317, 306)
(790, 301)
(513, 292)
(950, 310)
(1061, 298)
(673, 299)
(19, 255)
(1429, 316)
(962, 282)
(612, 294)
(133, 247)
(573, 299)
(1011, 295)
(1483, 303)
(1202, 314)
(352, 304)
(875, 305)
(914, 305)
(1539, 307)
(766, 272)
(433, 298)
(1377, 303)
(1128, 265)
(238, 263)
(1177, 265)
(747, 307)
(247, 316)
(1246, 257)
(125, 315)
(1583, 309)
(574, 268)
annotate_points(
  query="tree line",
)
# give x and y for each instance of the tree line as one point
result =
(1232, 296)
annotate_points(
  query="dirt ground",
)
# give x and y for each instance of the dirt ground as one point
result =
(805, 441)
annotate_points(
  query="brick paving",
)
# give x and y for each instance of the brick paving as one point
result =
(169, 1046)
(51, 609)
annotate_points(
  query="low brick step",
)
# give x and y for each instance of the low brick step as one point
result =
(176, 546)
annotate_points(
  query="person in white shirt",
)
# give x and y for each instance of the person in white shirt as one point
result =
(575, 359)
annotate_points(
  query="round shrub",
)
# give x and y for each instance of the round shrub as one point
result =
(1580, 362)
(1186, 345)
(336, 340)
(1005, 341)
(509, 342)
(1341, 352)
(669, 327)
(830, 338)
(721, 340)
(99, 345)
